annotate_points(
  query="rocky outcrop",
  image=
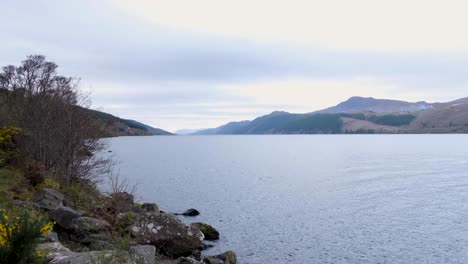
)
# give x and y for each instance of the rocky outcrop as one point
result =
(123, 202)
(63, 216)
(167, 233)
(48, 199)
(208, 231)
(51, 237)
(150, 229)
(88, 230)
(150, 207)
(56, 253)
(143, 254)
(228, 257)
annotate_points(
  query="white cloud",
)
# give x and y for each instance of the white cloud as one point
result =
(368, 25)
(313, 94)
(246, 101)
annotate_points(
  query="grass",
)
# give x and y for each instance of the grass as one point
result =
(12, 186)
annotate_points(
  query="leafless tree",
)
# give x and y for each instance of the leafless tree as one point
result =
(116, 183)
(51, 109)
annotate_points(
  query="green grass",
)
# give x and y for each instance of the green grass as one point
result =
(11, 181)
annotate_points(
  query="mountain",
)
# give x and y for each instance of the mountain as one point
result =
(152, 130)
(116, 126)
(359, 104)
(359, 115)
(231, 128)
(111, 125)
(446, 118)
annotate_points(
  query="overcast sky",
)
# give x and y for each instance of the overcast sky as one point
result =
(196, 64)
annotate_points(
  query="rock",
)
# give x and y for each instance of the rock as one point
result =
(52, 247)
(48, 199)
(210, 232)
(191, 212)
(143, 254)
(51, 237)
(206, 246)
(21, 204)
(63, 216)
(101, 245)
(122, 202)
(54, 251)
(91, 257)
(184, 260)
(228, 257)
(90, 230)
(181, 260)
(150, 207)
(167, 233)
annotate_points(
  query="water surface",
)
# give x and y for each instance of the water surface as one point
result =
(313, 198)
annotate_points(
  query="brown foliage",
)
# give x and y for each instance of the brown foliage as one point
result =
(50, 109)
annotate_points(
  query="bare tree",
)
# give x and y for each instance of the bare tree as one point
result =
(116, 183)
(52, 111)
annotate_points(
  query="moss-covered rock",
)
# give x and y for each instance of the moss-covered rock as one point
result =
(210, 232)
(228, 257)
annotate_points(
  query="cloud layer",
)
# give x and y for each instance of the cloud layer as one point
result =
(183, 65)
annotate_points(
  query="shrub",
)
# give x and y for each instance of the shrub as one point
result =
(35, 173)
(8, 148)
(19, 235)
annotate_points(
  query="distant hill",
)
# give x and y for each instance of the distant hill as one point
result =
(111, 125)
(359, 104)
(230, 128)
(115, 126)
(187, 131)
(359, 115)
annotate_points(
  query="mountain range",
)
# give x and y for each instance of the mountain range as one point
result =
(358, 115)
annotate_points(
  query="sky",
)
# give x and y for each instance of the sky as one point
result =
(196, 64)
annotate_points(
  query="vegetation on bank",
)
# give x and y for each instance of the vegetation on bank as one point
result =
(50, 169)
(47, 140)
(20, 232)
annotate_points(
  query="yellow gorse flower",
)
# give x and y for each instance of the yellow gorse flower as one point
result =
(7, 227)
(45, 230)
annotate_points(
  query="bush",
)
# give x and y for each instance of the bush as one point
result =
(19, 235)
(35, 173)
(8, 148)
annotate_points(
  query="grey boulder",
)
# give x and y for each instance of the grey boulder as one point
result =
(210, 232)
(143, 254)
(48, 199)
(150, 207)
(167, 233)
(64, 216)
(90, 230)
(56, 253)
(191, 212)
(228, 257)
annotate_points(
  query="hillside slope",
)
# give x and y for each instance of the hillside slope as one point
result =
(450, 118)
(359, 115)
(111, 125)
(359, 104)
(115, 126)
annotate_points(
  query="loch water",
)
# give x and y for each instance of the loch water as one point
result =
(313, 198)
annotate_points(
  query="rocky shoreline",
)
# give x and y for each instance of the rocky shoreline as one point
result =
(151, 236)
